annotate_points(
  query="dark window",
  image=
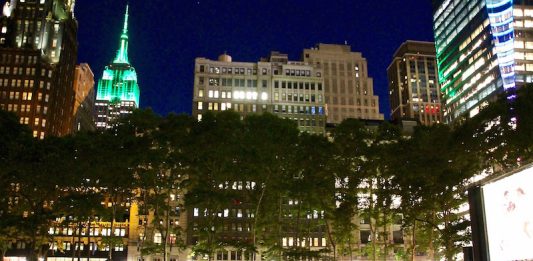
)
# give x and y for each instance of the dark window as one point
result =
(397, 237)
(365, 236)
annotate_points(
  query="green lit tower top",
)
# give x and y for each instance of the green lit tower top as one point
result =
(119, 80)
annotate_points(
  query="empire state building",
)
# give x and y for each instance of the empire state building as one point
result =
(118, 92)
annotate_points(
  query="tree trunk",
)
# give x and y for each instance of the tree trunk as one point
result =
(112, 233)
(280, 211)
(256, 216)
(431, 247)
(167, 228)
(385, 236)
(32, 255)
(145, 227)
(74, 246)
(371, 222)
(89, 239)
(331, 240)
(413, 242)
(79, 240)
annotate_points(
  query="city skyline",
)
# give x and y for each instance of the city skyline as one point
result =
(166, 67)
(307, 130)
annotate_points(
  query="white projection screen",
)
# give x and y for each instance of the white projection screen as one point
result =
(509, 216)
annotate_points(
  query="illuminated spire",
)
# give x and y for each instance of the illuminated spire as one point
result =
(125, 29)
(122, 54)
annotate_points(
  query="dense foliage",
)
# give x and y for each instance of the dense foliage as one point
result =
(374, 174)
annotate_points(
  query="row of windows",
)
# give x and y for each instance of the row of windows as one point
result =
(253, 71)
(232, 70)
(335, 110)
(215, 106)
(227, 213)
(234, 255)
(301, 122)
(293, 72)
(520, 13)
(17, 59)
(229, 82)
(93, 231)
(18, 70)
(19, 83)
(520, 45)
(26, 96)
(298, 85)
(295, 97)
(36, 121)
(23, 108)
(290, 109)
(92, 246)
(304, 242)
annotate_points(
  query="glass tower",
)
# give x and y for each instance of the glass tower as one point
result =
(118, 92)
(481, 51)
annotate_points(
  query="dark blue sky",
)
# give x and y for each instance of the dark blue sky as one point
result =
(167, 35)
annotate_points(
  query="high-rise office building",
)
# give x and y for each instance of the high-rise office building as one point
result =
(413, 84)
(348, 90)
(290, 89)
(484, 47)
(84, 98)
(118, 92)
(38, 52)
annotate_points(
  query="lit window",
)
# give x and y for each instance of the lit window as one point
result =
(157, 238)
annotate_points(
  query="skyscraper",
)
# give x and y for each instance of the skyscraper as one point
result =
(349, 92)
(289, 89)
(484, 47)
(413, 84)
(118, 92)
(38, 52)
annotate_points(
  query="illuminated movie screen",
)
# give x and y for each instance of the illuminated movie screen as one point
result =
(509, 216)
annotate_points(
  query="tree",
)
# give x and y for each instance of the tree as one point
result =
(41, 173)
(434, 167)
(14, 137)
(160, 173)
(267, 160)
(352, 145)
(113, 163)
(212, 162)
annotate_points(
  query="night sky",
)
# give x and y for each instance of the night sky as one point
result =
(167, 35)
